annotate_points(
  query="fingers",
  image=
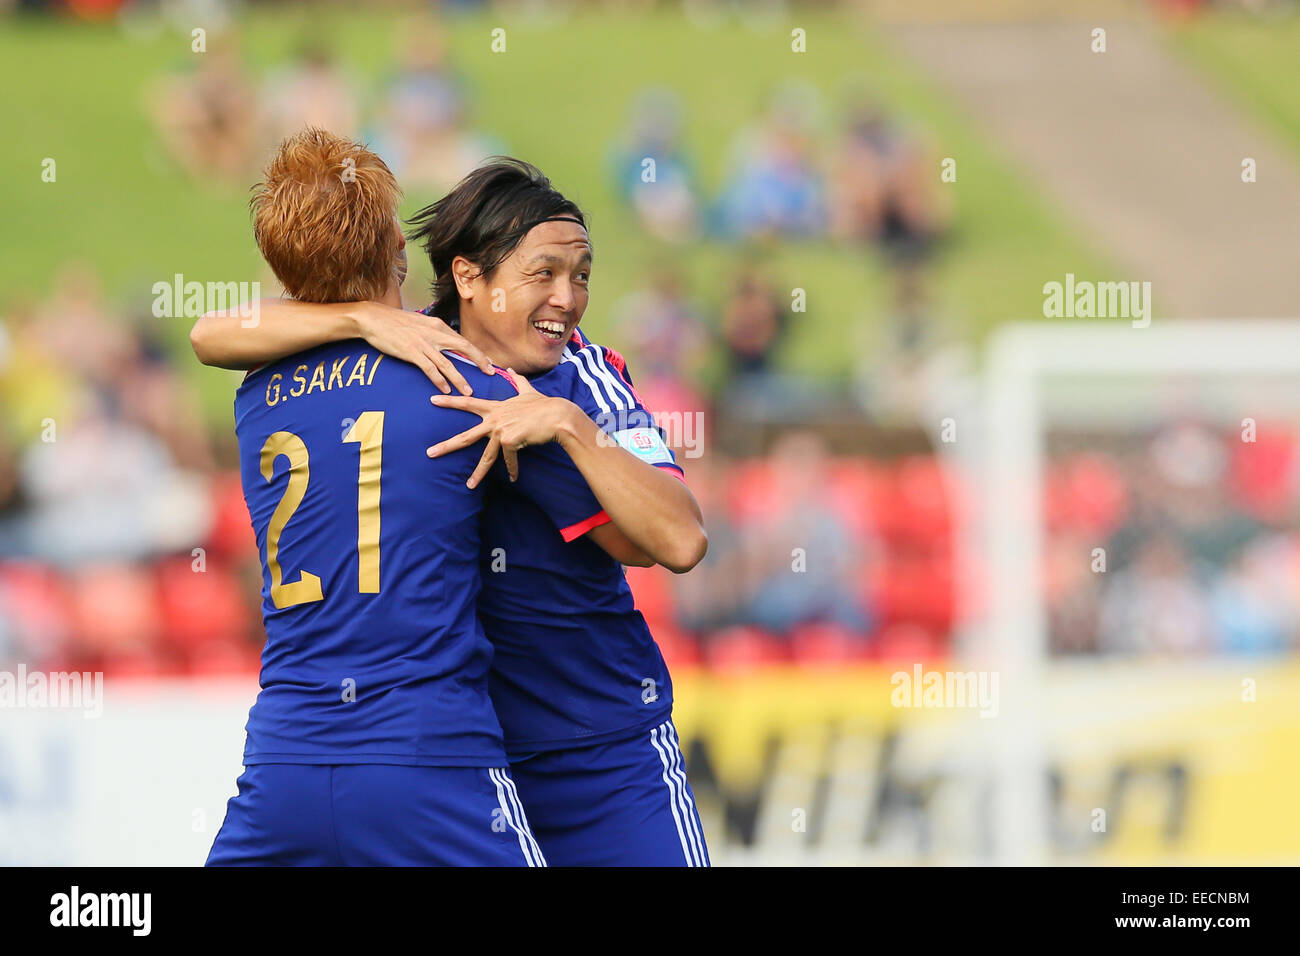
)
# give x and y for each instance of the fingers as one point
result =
(448, 368)
(477, 356)
(511, 455)
(441, 336)
(457, 442)
(524, 385)
(479, 406)
(435, 376)
(485, 463)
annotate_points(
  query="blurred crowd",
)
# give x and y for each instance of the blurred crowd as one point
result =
(219, 121)
(1182, 542)
(798, 171)
(125, 544)
(124, 541)
(869, 181)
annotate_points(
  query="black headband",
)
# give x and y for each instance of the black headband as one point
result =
(554, 219)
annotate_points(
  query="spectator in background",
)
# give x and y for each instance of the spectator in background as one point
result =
(421, 132)
(885, 194)
(712, 597)
(1254, 601)
(1159, 604)
(884, 191)
(13, 541)
(99, 424)
(106, 488)
(153, 395)
(894, 379)
(666, 335)
(754, 321)
(207, 119)
(312, 92)
(1180, 485)
(776, 187)
(34, 385)
(76, 329)
(802, 560)
(652, 174)
(1073, 594)
(1191, 463)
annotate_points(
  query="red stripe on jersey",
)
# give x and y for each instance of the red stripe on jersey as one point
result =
(582, 527)
(616, 360)
(507, 376)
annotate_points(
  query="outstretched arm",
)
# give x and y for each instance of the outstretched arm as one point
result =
(231, 339)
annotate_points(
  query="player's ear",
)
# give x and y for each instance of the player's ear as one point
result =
(464, 272)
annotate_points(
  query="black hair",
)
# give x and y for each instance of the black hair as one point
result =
(484, 218)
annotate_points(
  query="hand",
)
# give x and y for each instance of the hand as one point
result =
(530, 418)
(419, 339)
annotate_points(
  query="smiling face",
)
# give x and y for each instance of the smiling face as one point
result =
(523, 314)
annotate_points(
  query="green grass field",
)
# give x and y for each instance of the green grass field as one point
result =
(1255, 61)
(558, 97)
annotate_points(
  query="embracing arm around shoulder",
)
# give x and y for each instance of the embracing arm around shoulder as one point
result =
(245, 337)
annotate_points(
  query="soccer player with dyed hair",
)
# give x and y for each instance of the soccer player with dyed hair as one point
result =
(583, 693)
(373, 740)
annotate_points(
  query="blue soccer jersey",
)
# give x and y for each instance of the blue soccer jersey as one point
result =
(574, 661)
(370, 553)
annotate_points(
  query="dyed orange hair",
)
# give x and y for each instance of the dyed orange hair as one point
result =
(325, 218)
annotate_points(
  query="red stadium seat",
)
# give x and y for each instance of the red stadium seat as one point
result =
(231, 537)
(916, 589)
(910, 643)
(652, 592)
(38, 606)
(828, 645)
(739, 649)
(1087, 493)
(680, 650)
(1262, 473)
(857, 489)
(752, 491)
(224, 658)
(136, 666)
(114, 611)
(200, 607)
(924, 497)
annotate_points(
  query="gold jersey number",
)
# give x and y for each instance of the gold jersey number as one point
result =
(368, 432)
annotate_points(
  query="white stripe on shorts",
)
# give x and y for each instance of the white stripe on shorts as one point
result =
(512, 809)
(659, 740)
(688, 809)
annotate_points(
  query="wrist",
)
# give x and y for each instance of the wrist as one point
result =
(356, 321)
(573, 427)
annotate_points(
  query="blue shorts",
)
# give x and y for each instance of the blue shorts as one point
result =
(374, 815)
(625, 803)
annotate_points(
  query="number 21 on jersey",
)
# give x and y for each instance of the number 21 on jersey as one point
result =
(368, 432)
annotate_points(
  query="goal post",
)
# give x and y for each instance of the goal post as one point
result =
(1093, 377)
